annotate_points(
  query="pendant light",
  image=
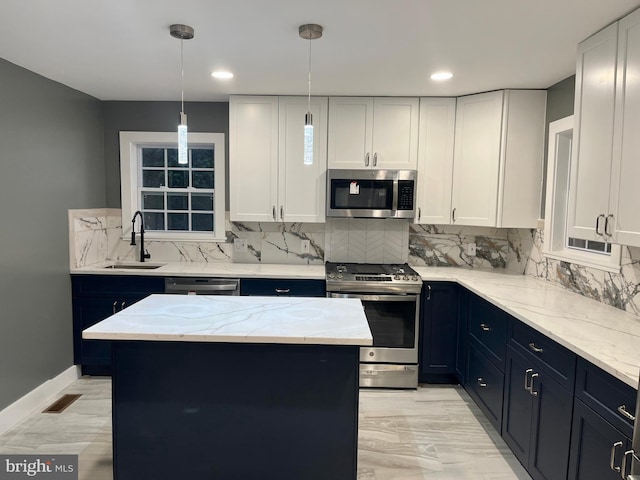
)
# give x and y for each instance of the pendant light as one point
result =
(310, 31)
(182, 32)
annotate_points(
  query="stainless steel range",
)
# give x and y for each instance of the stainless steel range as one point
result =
(390, 295)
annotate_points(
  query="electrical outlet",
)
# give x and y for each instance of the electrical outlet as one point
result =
(471, 249)
(240, 244)
(305, 245)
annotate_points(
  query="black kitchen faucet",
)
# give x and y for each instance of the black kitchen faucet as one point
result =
(143, 255)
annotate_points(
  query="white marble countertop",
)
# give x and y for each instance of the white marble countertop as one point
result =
(604, 335)
(203, 318)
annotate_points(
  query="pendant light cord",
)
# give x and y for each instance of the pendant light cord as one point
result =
(182, 74)
(309, 97)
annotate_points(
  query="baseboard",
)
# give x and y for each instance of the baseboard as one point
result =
(36, 398)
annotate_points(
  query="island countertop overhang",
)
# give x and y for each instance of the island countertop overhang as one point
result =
(202, 318)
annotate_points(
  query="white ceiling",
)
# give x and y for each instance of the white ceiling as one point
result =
(122, 50)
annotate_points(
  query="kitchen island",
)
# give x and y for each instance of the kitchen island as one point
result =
(235, 387)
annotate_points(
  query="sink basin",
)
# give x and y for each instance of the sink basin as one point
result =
(134, 266)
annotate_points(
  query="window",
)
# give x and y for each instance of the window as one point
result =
(599, 255)
(178, 202)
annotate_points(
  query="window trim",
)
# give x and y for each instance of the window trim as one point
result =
(555, 238)
(129, 173)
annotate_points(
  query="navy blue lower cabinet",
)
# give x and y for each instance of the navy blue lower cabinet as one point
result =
(272, 287)
(438, 332)
(462, 336)
(536, 417)
(485, 385)
(593, 440)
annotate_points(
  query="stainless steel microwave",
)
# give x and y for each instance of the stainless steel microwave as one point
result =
(371, 193)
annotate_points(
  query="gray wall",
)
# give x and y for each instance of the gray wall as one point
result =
(156, 117)
(51, 160)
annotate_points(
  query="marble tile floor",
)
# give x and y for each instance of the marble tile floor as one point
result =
(436, 432)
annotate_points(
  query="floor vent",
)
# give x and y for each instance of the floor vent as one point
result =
(62, 403)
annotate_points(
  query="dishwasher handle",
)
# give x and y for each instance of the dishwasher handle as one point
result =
(202, 286)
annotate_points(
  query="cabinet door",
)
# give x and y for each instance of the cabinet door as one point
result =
(439, 331)
(551, 429)
(625, 195)
(395, 133)
(592, 441)
(88, 312)
(477, 159)
(435, 160)
(301, 188)
(253, 158)
(350, 132)
(592, 134)
(518, 407)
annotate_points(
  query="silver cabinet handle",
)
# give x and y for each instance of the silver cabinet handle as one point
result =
(623, 469)
(606, 225)
(484, 327)
(453, 216)
(622, 410)
(527, 387)
(419, 214)
(122, 305)
(113, 307)
(273, 212)
(366, 160)
(282, 213)
(534, 348)
(598, 224)
(428, 292)
(375, 159)
(612, 461)
(282, 290)
(531, 390)
(481, 383)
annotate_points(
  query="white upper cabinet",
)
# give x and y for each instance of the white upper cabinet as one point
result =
(369, 132)
(435, 160)
(498, 157)
(268, 179)
(593, 135)
(605, 166)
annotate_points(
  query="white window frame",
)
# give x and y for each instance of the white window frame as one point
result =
(557, 199)
(130, 142)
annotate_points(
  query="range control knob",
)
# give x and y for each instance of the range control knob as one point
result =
(405, 277)
(332, 275)
(340, 275)
(396, 277)
(414, 278)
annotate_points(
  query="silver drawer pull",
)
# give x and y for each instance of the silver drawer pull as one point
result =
(113, 307)
(623, 470)
(283, 290)
(481, 382)
(612, 462)
(534, 348)
(622, 410)
(484, 327)
(531, 390)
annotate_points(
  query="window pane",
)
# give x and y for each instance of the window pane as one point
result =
(201, 158)
(177, 221)
(153, 178)
(153, 157)
(202, 222)
(178, 178)
(152, 201)
(201, 201)
(153, 221)
(202, 180)
(177, 201)
(172, 158)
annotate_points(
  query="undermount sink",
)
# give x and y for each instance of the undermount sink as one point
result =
(134, 266)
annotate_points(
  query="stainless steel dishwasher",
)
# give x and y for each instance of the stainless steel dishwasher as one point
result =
(202, 286)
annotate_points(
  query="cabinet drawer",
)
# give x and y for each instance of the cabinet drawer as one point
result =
(606, 394)
(118, 285)
(282, 287)
(488, 325)
(485, 385)
(552, 357)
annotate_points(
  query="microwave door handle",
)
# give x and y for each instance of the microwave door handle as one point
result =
(394, 204)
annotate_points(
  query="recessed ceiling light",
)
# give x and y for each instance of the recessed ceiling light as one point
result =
(222, 75)
(440, 76)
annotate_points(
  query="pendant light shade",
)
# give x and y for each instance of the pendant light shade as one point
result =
(309, 32)
(182, 32)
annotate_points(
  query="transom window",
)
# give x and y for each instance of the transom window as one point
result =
(178, 202)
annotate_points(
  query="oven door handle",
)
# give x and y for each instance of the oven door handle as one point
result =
(377, 298)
